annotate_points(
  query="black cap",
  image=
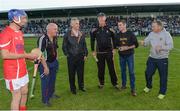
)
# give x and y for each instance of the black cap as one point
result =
(101, 14)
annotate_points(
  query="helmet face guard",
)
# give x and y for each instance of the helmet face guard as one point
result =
(16, 13)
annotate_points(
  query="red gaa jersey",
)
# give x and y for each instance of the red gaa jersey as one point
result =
(13, 42)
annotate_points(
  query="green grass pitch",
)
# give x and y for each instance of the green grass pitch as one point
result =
(107, 98)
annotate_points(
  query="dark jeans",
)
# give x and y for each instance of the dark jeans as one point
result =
(162, 66)
(76, 65)
(102, 58)
(48, 82)
(127, 61)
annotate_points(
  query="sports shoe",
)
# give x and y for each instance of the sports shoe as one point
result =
(100, 86)
(146, 89)
(55, 96)
(116, 87)
(161, 96)
(123, 87)
(133, 93)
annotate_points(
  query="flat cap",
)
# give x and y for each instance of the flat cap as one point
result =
(101, 14)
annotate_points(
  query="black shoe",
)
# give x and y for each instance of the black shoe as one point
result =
(100, 86)
(123, 87)
(54, 96)
(73, 92)
(133, 93)
(47, 104)
(82, 89)
(116, 87)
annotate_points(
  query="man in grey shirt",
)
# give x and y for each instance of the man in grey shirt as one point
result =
(161, 43)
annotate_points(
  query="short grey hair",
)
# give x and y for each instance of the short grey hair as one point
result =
(159, 23)
(73, 19)
(50, 25)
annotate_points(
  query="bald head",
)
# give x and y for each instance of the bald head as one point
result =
(52, 29)
(50, 26)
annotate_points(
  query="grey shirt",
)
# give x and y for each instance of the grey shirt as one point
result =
(162, 39)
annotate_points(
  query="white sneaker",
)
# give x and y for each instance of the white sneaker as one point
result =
(161, 96)
(146, 90)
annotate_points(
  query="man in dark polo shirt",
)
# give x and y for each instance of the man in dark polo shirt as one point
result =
(48, 45)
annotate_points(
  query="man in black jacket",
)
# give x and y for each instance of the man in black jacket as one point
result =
(104, 36)
(126, 42)
(74, 47)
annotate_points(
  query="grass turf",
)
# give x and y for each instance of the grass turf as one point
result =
(107, 98)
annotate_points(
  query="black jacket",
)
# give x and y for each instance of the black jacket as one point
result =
(71, 46)
(126, 39)
(105, 38)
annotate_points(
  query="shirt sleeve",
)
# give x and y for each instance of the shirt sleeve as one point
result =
(92, 38)
(147, 40)
(168, 42)
(113, 38)
(117, 41)
(42, 43)
(85, 46)
(65, 44)
(135, 41)
(5, 41)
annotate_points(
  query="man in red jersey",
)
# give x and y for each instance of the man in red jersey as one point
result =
(13, 55)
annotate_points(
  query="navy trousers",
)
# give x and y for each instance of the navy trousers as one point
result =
(48, 82)
(162, 66)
